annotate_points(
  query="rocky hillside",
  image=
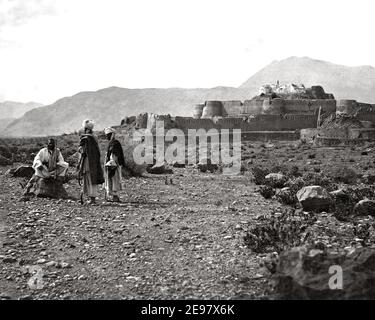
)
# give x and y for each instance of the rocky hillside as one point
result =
(344, 82)
(11, 109)
(108, 106)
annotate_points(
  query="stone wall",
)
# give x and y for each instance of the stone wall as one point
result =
(277, 106)
(287, 122)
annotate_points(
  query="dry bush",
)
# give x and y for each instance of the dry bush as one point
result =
(319, 179)
(267, 192)
(260, 174)
(343, 174)
(278, 233)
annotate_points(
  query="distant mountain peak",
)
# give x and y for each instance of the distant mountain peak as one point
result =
(343, 81)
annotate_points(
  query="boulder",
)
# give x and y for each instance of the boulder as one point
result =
(306, 273)
(365, 208)
(51, 188)
(5, 161)
(276, 180)
(314, 198)
(24, 172)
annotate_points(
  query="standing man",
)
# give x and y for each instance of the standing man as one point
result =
(48, 164)
(114, 161)
(89, 167)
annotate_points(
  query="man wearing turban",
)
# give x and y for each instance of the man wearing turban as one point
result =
(48, 164)
(114, 161)
(90, 169)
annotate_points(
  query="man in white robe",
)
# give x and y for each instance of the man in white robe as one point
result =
(113, 163)
(48, 164)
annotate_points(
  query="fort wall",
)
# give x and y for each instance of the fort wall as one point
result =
(287, 122)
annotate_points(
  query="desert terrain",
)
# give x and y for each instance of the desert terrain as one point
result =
(183, 235)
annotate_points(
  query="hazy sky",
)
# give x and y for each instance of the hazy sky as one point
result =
(55, 48)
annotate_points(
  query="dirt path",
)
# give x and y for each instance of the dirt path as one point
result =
(177, 241)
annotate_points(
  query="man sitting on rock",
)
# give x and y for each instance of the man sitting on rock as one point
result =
(48, 164)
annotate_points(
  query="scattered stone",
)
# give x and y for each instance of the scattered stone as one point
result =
(41, 261)
(365, 208)
(314, 198)
(51, 264)
(64, 265)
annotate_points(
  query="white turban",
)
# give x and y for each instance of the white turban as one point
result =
(88, 124)
(109, 130)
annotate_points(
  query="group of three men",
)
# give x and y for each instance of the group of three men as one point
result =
(49, 164)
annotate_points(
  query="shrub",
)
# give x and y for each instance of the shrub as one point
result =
(267, 192)
(259, 174)
(342, 174)
(279, 232)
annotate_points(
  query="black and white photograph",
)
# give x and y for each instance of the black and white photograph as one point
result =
(196, 151)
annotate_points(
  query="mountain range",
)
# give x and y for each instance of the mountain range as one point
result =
(10, 110)
(108, 106)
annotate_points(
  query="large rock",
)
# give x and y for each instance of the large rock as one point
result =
(23, 172)
(276, 180)
(312, 274)
(365, 208)
(50, 188)
(314, 198)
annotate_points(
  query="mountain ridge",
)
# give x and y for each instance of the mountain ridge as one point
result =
(108, 106)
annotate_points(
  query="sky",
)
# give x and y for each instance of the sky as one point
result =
(50, 49)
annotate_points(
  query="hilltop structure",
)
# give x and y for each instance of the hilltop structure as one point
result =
(279, 112)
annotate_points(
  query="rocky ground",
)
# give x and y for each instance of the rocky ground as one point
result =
(180, 238)
(179, 241)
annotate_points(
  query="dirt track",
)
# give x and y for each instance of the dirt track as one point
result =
(182, 241)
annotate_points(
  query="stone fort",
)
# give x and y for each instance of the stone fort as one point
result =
(275, 114)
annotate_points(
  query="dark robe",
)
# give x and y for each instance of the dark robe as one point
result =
(114, 147)
(92, 152)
